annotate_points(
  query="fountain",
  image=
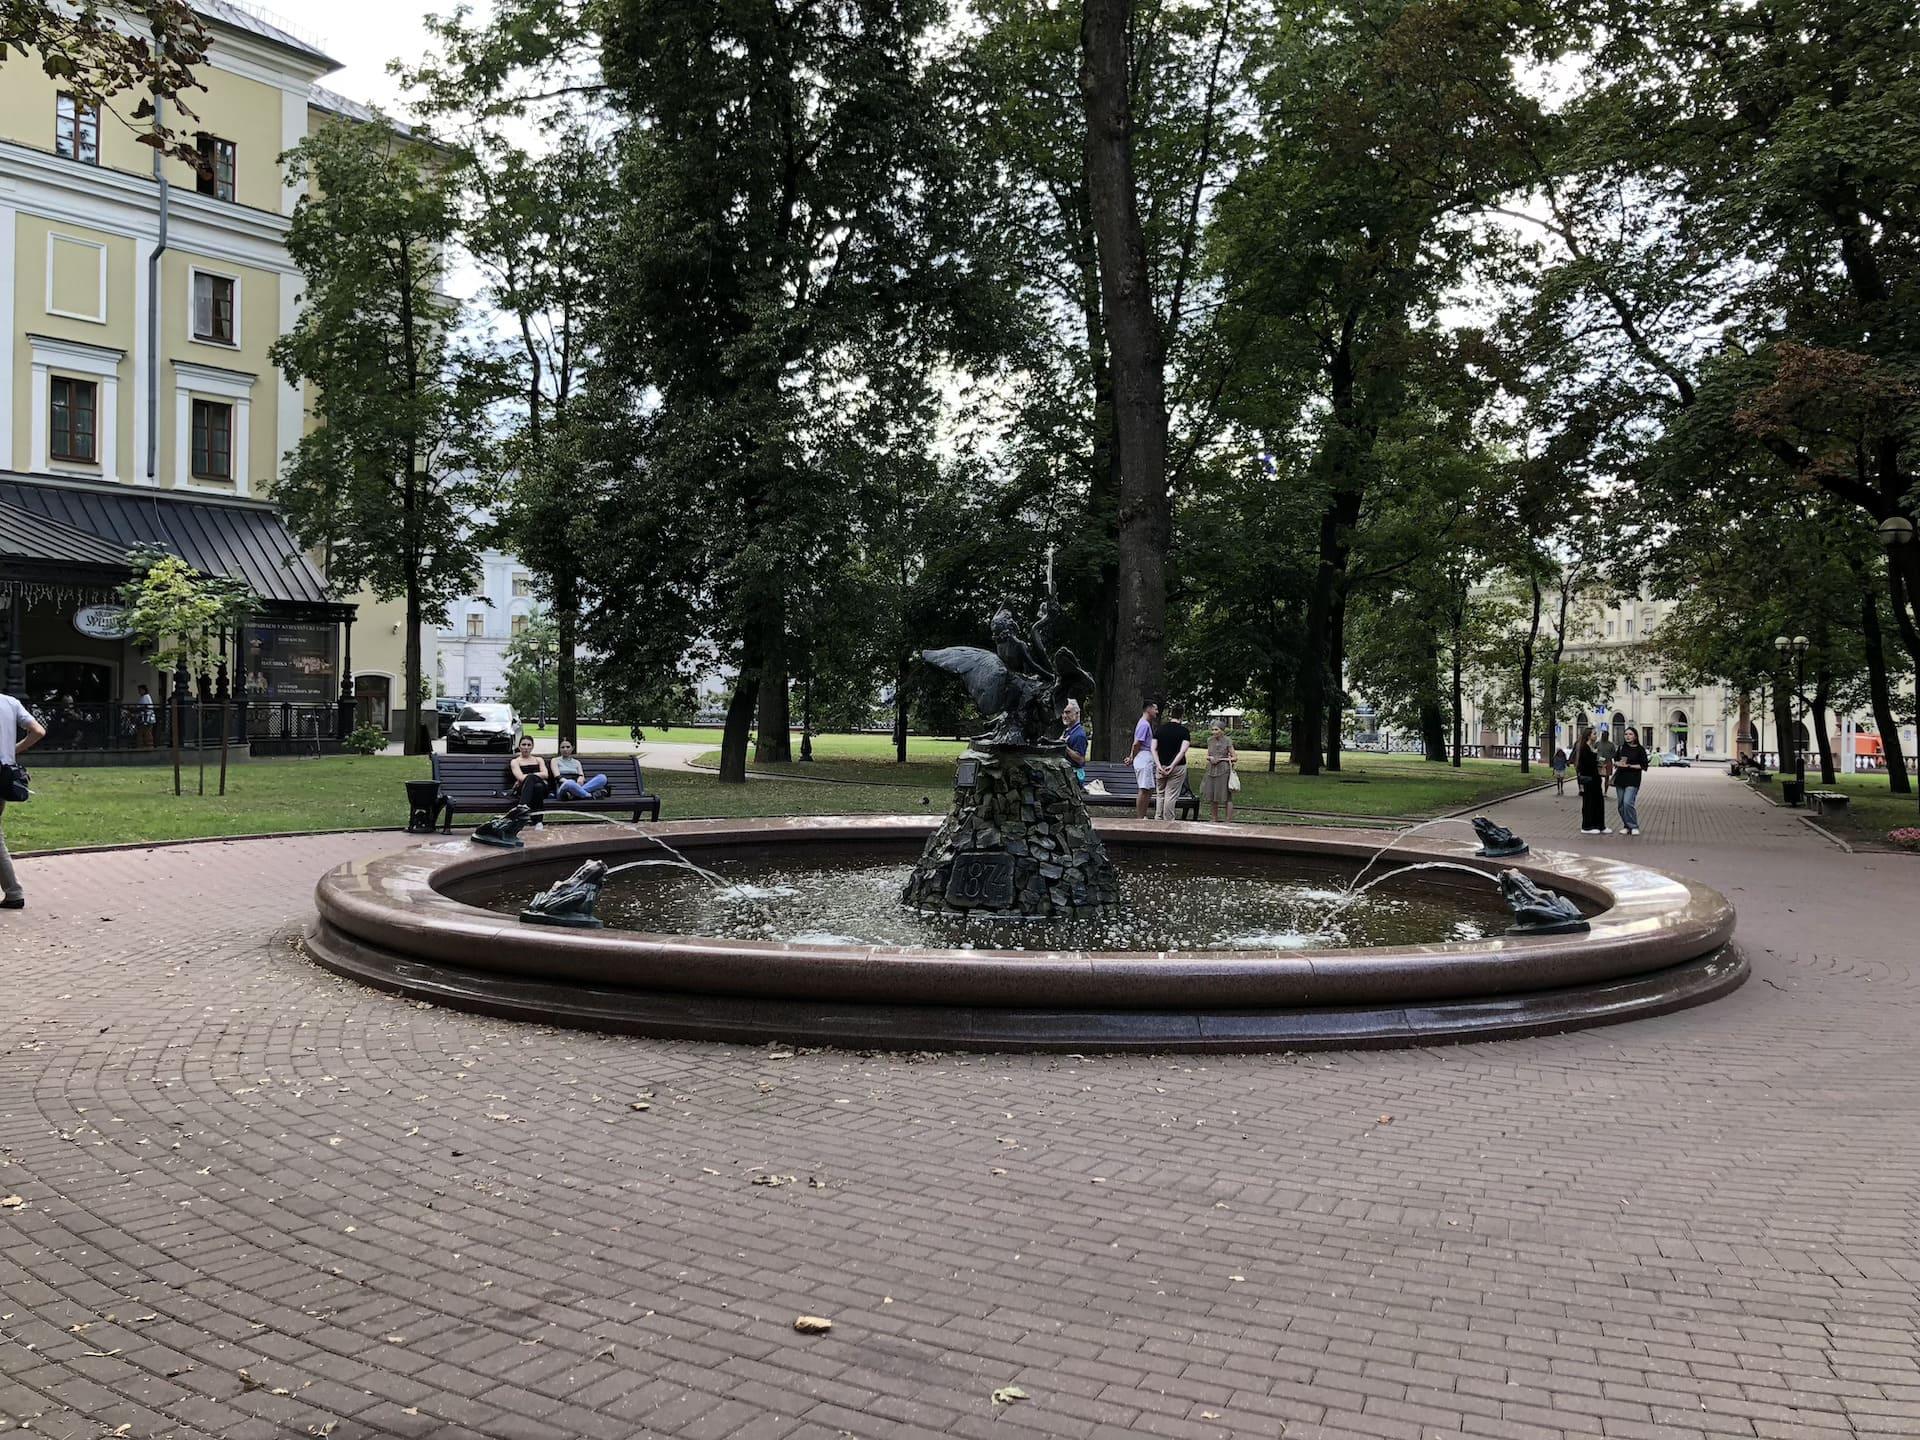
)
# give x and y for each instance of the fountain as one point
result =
(1014, 923)
(1017, 839)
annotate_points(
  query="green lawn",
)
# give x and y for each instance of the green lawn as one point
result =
(1874, 810)
(1366, 785)
(120, 806)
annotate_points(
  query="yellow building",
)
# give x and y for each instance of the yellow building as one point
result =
(138, 406)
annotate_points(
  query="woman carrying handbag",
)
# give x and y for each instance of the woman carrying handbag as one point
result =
(18, 731)
(1222, 779)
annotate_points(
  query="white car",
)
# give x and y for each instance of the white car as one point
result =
(484, 728)
(1674, 757)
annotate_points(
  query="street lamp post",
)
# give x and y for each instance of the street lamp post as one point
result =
(1895, 532)
(1797, 647)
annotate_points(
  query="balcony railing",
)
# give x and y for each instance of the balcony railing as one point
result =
(120, 726)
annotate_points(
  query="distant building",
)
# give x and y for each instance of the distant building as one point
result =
(470, 650)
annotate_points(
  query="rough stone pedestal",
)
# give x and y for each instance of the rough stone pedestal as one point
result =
(1017, 843)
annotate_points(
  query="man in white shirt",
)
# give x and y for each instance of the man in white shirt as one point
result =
(18, 731)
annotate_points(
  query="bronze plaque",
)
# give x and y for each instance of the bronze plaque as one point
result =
(983, 878)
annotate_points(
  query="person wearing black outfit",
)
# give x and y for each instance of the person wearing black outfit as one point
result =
(1593, 794)
(1171, 740)
(529, 780)
(1629, 769)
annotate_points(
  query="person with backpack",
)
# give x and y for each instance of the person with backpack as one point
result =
(18, 731)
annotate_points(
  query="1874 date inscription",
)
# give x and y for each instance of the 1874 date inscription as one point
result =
(981, 877)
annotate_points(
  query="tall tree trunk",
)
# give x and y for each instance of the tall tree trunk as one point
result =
(1273, 721)
(773, 744)
(1526, 681)
(1136, 354)
(1880, 693)
(1337, 671)
(566, 631)
(1822, 689)
(1433, 733)
(739, 724)
(1317, 641)
(1785, 742)
(1552, 717)
(410, 712)
(900, 710)
(1741, 749)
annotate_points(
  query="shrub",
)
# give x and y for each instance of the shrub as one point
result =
(1907, 837)
(367, 740)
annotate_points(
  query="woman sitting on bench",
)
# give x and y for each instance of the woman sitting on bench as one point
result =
(528, 779)
(573, 782)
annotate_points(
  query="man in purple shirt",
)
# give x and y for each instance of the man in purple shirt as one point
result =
(1145, 769)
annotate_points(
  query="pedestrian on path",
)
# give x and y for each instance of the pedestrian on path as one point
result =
(1593, 792)
(18, 731)
(1140, 757)
(1559, 769)
(1629, 769)
(1171, 741)
(1221, 759)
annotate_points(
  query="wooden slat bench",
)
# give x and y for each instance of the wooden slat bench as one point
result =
(477, 784)
(1822, 801)
(1116, 777)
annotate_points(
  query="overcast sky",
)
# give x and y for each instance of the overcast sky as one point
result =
(363, 35)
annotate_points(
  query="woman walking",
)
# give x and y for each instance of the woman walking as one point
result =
(1221, 758)
(1629, 770)
(1559, 769)
(1593, 793)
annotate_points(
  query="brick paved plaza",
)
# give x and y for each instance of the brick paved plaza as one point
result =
(261, 1202)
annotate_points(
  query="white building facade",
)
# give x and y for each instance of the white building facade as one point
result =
(470, 661)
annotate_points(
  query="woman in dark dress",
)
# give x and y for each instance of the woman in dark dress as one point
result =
(529, 780)
(1593, 794)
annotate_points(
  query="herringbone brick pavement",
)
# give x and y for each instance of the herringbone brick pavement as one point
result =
(259, 1201)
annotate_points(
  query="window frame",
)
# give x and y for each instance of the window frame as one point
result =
(195, 273)
(85, 121)
(196, 449)
(59, 435)
(207, 174)
(476, 626)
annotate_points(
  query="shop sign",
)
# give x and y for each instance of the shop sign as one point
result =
(102, 622)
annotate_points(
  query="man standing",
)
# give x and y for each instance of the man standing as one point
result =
(18, 731)
(1145, 770)
(1171, 742)
(1629, 769)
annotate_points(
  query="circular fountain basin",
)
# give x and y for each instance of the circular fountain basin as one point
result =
(412, 922)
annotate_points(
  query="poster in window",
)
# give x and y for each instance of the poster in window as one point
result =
(291, 662)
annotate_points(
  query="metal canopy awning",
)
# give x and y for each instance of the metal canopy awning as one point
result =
(244, 539)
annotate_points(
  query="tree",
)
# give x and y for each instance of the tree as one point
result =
(532, 664)
(388, 482)
(537, 171)
(175, 615)
(86, 52)
(787, 174)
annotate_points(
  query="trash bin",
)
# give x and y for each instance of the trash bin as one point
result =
(423, 804)
(1793, 792)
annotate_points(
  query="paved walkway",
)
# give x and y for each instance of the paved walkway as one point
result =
(261, 1202)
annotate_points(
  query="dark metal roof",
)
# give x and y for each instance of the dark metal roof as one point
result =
(28, 537)
(264, 25)
(240, 538)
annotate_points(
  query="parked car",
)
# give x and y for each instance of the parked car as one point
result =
(1673, 757)
(483, 728)
(448, 709)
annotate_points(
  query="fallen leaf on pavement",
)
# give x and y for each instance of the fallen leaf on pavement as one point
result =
(1007, 1394)
(812, 1324)
(11, 1202)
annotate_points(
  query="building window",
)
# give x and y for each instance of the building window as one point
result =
(216, 167)
(212, 440)
(1629, 629)
(213, 307)
(1609, 629)
(72, 405)
(76, 130)
(519, 625)
(475, 624)
(522, 586)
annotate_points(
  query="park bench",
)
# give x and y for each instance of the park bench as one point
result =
(1822, 801)
(477, 784)
(1116, 778)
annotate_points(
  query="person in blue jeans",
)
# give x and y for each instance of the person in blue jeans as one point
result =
(1629, 769)
(1075, 739)
(573, 781)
